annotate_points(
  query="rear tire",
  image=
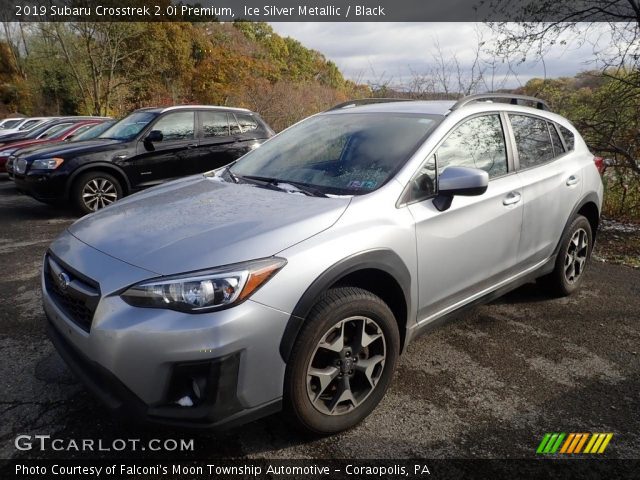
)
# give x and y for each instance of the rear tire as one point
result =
(342, 362)
(572, 259)
(95, 190)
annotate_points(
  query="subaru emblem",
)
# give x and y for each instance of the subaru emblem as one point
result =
(63, 280)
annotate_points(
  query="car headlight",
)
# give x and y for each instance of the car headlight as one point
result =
(47, 163)
(205, 291)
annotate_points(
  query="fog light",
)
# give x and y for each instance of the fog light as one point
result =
(185, 402)
(199, 387)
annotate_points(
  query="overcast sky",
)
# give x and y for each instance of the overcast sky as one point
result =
(393, 52)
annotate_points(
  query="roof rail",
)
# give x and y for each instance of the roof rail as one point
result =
(512, 97)
(366, 101)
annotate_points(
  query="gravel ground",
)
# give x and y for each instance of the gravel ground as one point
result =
(488, 385)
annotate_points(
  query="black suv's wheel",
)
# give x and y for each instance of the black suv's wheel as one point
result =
(574, 253)
(95, 190)
(342, 362)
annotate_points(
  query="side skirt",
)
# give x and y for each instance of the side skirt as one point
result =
(429, 324)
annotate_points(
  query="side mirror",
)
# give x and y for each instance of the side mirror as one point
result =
(154, 136)
(459, 181)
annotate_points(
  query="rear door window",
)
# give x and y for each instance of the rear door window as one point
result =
(214, 124)
(533, 140)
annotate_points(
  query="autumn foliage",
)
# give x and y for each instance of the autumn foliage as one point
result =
(112, 68)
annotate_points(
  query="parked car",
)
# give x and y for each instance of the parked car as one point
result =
(10, 122)
(70, 142)
(92, 132)
(46, 129)
(148, 147)
(24, 125)
(296, 276)
(60, 135)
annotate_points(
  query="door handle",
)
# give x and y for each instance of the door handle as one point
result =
(512, 198)
(192, 145)
(572, 180)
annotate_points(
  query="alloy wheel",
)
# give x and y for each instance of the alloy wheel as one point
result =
(576, 257)
(346, 365)
(98, 193)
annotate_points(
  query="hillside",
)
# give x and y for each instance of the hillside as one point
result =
(110, 69)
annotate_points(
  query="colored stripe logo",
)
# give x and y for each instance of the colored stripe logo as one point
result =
(574, 443)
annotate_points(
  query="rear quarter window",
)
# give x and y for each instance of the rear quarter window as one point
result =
(246, 123)
(569, 137)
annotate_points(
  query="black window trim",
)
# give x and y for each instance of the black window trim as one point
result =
(516, 156)
(403, 200)
(553, 125)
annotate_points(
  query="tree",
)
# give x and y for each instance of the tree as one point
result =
(604, 104)
(615, 42)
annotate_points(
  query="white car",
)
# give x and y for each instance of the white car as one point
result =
(10, 122)
(24, 125)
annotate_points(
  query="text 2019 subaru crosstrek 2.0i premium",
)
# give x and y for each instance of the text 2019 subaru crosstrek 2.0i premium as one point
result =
(295, 277)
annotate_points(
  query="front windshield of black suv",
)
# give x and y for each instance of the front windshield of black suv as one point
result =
(341, 154)
(129, 127)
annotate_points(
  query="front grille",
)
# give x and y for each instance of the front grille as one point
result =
(77, 297)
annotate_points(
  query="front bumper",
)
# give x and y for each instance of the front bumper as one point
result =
(140, 361)
(44, 186)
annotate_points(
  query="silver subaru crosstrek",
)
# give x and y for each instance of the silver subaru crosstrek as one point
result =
(294, 278)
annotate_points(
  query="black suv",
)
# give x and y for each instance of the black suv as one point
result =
(146, 148)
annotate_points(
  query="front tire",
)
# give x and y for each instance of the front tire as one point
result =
(572, 259)
(342, 362)
(93, 191)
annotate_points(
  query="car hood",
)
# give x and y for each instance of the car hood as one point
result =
(64, 149)
(199, 222)
(12, 137)
(26, 146)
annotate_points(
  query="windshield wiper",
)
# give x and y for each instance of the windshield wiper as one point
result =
(277, 183)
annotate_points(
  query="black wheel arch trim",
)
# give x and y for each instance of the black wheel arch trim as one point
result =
(103, 166)
(378, 259)
(591, 197)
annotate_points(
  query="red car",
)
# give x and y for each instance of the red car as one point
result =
(63, 133)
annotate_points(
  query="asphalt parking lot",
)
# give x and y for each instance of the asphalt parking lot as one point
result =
(488, 385)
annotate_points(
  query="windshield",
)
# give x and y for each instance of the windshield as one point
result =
(92, 132)
(55, 129)
(344, 154)
(12, 123)
(40, 129)
(29, 124)
(129, 127)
